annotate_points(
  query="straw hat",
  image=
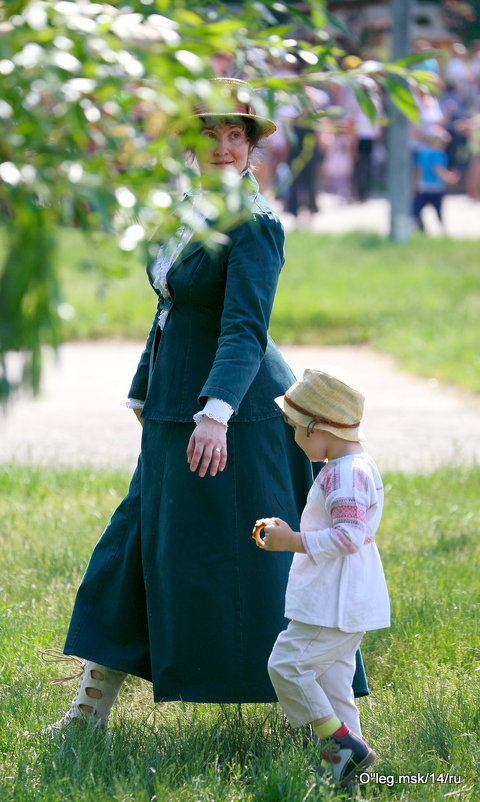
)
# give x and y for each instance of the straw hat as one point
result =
(233, 98)
(325, 399)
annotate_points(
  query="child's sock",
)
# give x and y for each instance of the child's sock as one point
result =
(333, 728)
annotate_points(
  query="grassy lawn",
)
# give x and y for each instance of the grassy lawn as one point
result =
(422, 717)
(419, 301)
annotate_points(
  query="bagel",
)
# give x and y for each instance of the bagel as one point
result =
(259, 525)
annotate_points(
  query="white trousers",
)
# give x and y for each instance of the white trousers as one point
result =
(311, 669)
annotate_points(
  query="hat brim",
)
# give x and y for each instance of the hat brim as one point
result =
(267, 126)
(352, 435)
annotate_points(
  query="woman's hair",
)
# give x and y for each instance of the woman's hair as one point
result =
(253, 131)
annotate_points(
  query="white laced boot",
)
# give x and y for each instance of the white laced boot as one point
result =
(96, 695)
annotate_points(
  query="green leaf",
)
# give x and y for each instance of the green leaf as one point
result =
(332, 20)
(12, 7)
(366, 103)
(428, 79)
(415, 58)
(401, 97)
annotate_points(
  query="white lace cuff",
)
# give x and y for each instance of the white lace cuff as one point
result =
(216, 409)
(134, 403)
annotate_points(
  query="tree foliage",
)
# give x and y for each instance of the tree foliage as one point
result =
(93, 107)
(463, 18)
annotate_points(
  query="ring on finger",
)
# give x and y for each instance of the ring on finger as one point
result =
(217, 450)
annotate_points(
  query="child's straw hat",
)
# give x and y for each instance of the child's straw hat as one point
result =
(325, 399)
(233, 98)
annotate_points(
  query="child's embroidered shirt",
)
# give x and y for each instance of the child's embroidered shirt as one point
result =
(340, 581)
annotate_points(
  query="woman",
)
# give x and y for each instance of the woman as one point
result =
(176, 591)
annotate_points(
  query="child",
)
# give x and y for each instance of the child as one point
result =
(336, 588)
(431, 174)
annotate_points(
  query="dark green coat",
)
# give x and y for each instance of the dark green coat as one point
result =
(176, 590)
(215, 341)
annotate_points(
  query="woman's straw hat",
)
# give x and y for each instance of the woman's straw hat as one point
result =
(325, 399)
(233, 98)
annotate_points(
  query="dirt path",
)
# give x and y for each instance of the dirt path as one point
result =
(412, 424)
(460, 215)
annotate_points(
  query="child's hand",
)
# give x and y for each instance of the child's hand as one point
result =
(260, 525)
(279, 536)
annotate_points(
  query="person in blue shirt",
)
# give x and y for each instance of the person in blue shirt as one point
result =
(431, 173)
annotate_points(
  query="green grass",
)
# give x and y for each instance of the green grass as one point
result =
(423, 715)
(418, 301)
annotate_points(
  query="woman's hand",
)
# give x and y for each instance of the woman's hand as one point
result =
(208, 447)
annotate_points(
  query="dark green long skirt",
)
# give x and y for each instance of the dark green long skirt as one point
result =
(176, 590)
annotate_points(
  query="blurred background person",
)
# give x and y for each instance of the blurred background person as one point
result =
(337, 142)
(471, 129)
(305, 155)
(431, 174)
(454, 109)
(457, 71)
(365, 133)
(430, 62)
(475, 68)
(271, 163)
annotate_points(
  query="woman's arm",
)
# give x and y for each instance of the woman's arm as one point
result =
(254, 263)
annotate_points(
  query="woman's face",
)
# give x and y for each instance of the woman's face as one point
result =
(226, 146)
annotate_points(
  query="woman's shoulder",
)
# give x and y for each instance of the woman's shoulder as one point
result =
(261, 228)
(259, 222)
(261, 209)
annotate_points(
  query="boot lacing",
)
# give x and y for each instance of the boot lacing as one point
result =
(56, 656)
